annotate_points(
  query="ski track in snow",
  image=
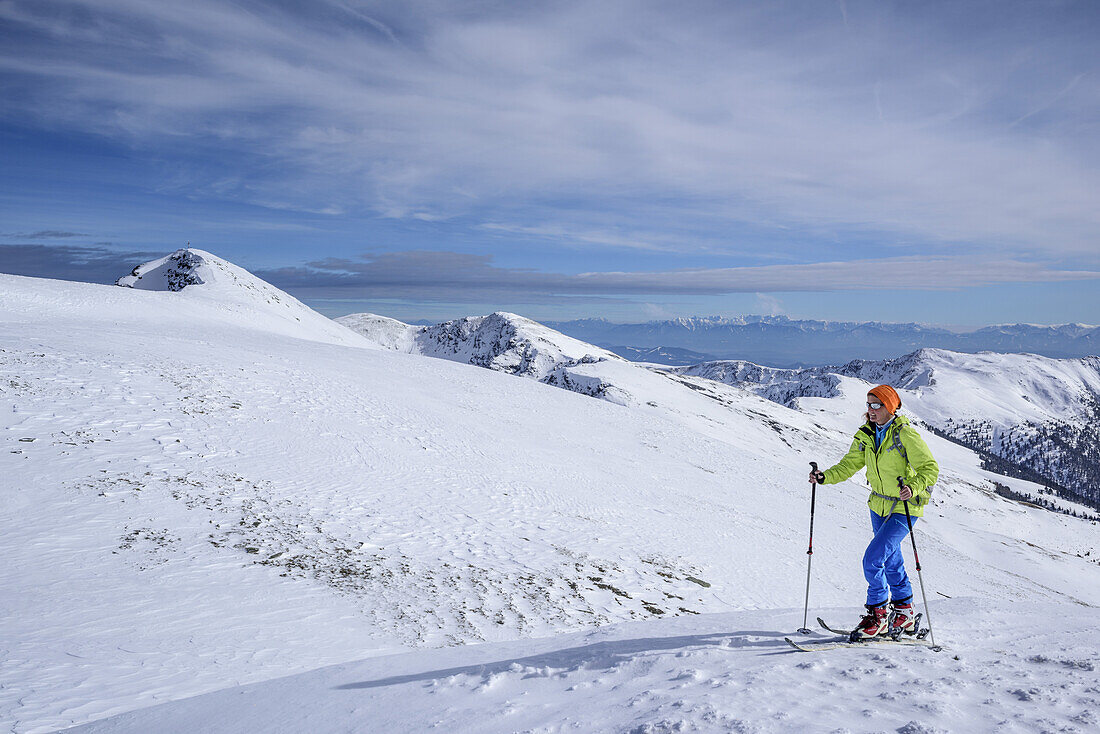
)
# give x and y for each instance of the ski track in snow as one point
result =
(191, 504)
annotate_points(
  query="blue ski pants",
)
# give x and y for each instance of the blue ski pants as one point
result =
(882, 562)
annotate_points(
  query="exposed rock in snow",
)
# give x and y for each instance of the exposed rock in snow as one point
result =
(783, 386)
(501, 341)
(172, 272)
(508, 343)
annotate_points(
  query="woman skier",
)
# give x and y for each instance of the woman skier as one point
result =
(889, 447)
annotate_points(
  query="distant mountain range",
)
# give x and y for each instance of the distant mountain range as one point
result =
(783, 342)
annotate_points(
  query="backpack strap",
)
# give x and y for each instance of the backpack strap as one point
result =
(897, 445)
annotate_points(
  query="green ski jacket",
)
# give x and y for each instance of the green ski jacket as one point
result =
(903, 453)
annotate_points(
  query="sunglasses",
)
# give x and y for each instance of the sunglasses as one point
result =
(874, 406)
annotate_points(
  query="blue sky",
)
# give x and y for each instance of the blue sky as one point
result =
(935, 162)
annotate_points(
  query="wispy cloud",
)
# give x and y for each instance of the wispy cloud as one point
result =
(881, 118)
(580, 236)
(474, 278)
(45, 234)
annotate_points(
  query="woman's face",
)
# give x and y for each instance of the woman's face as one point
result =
(880, 415)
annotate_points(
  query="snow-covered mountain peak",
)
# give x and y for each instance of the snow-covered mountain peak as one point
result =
(501, 341)
(510, 343)
(235, 294)
(502, 332)
(910, 371)
(188, 268)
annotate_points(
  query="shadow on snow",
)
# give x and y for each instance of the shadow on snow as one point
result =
(599, 655)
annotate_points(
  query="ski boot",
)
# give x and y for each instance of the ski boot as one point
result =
(902, 619)
(873, 624)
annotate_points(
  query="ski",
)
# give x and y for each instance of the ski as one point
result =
(834, 631)
(844, 642)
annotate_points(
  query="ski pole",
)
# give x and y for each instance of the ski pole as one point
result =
(809, 554)
(920, 577)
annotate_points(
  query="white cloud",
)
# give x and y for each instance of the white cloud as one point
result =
(769, 305)
(581, 235)
(878, 118)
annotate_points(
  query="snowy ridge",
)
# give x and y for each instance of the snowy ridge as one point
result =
(1035, 412)
(508, 343)
(1005, 389)
(226, 504)
(783, 386)
(503, 342)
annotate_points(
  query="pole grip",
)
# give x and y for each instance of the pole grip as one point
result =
(813, 502)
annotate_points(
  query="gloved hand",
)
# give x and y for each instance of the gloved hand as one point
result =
(817, 477)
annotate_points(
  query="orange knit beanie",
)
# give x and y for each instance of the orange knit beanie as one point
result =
(889, 397)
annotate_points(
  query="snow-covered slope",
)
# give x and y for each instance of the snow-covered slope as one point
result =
(195, 277)
(385, 332)
(716, 673)
(193, 501)
(1034, 412)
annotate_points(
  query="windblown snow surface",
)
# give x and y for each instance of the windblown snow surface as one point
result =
(216, 518)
